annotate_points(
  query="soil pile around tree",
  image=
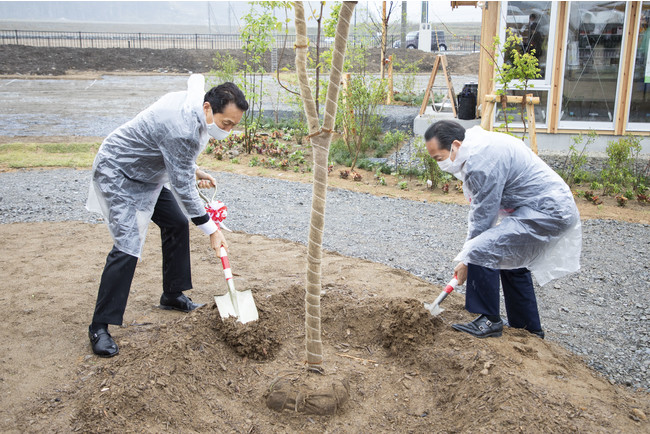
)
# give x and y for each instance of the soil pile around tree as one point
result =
(26, 60)
(406, 371)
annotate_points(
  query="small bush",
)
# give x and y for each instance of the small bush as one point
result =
(572, 171)
(619, 169)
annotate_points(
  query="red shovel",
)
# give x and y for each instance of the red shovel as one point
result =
(434, 307)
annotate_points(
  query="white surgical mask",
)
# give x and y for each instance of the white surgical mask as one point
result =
(446, 164)
(453, 167)
(216, 132)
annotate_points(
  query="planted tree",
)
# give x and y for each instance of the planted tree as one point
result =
(282, 394)
(517, 70)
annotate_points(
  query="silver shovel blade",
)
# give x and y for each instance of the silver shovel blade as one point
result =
(242, 307)
(434, 308)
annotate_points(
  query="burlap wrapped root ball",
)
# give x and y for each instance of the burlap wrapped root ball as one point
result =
(324, 397)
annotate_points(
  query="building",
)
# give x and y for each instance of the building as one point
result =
(593, 56)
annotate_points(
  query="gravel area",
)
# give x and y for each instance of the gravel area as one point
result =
(601, 313)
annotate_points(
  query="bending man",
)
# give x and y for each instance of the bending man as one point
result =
(522, 218)
(146, 171)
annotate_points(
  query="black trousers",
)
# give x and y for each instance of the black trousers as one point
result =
(117, 276)
(482, 295)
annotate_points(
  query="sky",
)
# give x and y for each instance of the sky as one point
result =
(195, 12)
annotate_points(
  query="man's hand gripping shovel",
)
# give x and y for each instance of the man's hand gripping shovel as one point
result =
(239, 304)
(434, 307)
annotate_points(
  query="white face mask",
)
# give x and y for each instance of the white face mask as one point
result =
(216, 132)
(446, 164)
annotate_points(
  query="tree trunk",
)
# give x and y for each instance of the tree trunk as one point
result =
(321, 138)
(384, 25)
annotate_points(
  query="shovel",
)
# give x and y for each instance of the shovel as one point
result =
(239, 304)
(434, 307)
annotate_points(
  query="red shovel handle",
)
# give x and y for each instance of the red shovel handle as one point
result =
(226, 264)
(453, 283)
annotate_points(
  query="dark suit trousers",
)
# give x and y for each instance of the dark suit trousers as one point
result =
(115, 283)
(482, 295)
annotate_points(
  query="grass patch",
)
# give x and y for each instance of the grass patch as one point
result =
(29, 155)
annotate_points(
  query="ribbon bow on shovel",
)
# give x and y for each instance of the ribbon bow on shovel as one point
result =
(218, 210)
(434, 307)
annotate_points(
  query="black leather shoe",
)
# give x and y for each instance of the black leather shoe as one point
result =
(178, 302)
(481, 327)
(102, 343)
(539, 333)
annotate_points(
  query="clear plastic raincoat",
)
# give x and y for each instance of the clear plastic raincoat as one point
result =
(160, 145)
(522, 214)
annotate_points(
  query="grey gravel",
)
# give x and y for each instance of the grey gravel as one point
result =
(601, 313)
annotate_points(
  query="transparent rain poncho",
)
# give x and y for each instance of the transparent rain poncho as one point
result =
(522, 214)
(160, 145)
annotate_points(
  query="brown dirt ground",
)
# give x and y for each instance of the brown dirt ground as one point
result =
(25, 60)
(407, 371)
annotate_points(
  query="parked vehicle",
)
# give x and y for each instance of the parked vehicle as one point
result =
(412, 39)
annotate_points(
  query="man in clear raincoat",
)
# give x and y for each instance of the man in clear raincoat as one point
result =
(146, 171)
(522, 219)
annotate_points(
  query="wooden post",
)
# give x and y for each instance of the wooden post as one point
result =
(627, 60)
(427, 92)
(487, 120)
(391, 91)
(450, 85)
(530, 114)
(440, 60)
(489, 25)
(558, 70)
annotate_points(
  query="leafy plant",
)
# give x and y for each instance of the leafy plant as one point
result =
(593, 198)
(572, 170)
(255, 161)
(515, 72)
(257, 36)
(357, 113)
(431, 168)
(619, 170)
(403, 185)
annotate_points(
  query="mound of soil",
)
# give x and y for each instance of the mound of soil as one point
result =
(405, 370)
(26, 60)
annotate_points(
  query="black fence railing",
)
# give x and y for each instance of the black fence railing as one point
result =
(194, 40)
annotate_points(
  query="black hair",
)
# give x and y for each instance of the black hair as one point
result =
(445, 131)
(220, 96)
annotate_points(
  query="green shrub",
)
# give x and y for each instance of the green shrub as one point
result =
(572, 171)
(619, 171)
(431, 168)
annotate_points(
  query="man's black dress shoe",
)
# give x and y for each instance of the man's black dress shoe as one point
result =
(539, 333)
(178, 302)
(481, 327)
(102, 342)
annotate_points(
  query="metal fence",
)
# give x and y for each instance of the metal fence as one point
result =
(192, 41)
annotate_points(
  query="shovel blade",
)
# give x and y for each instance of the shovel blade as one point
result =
(434, 308)
(242, 307)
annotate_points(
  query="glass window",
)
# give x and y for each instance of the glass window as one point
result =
(530, 20)
(594, 41)
(514, 110)
(640, 97)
